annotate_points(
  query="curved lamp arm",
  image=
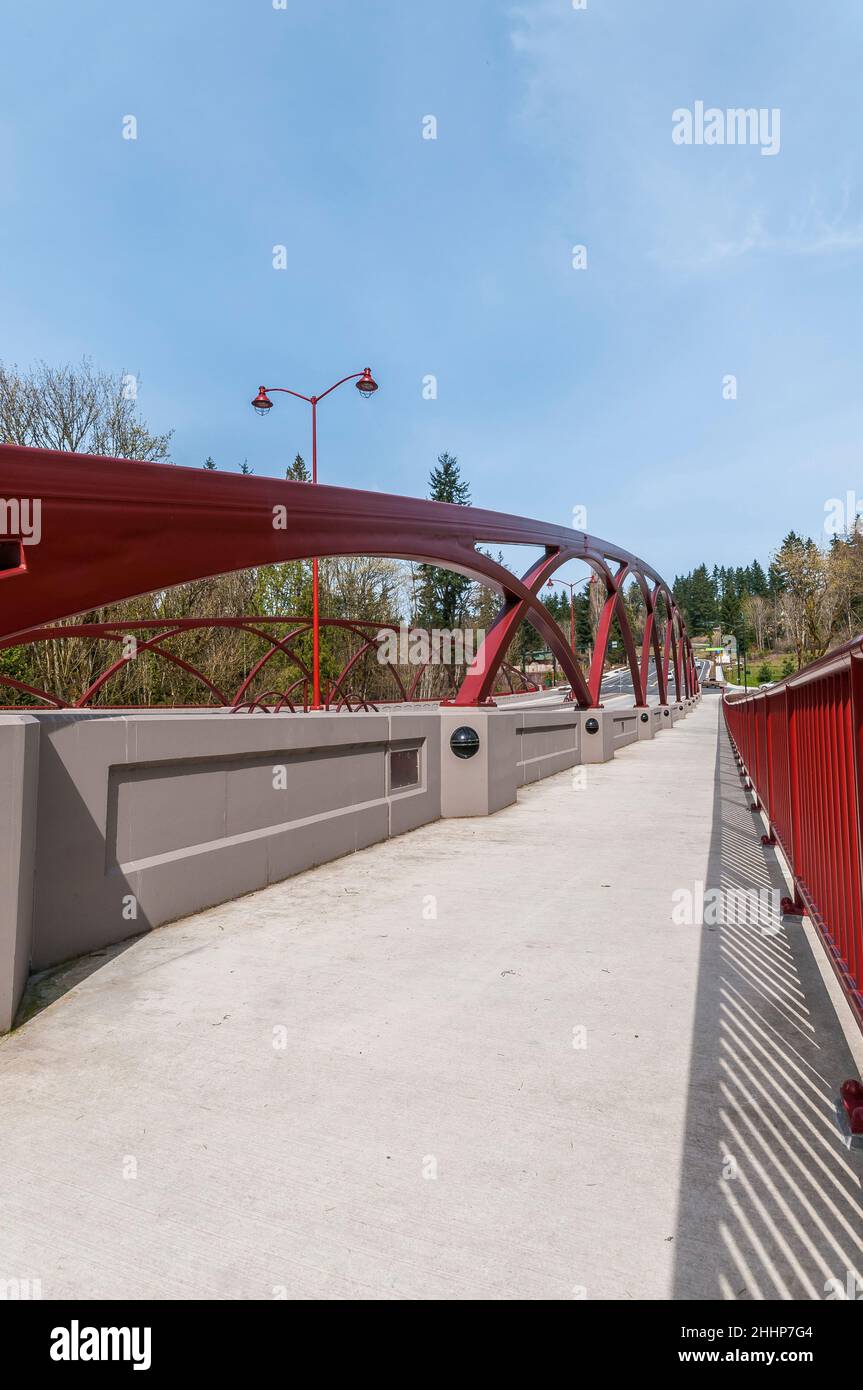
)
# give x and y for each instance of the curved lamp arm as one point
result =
(313, 400)
(353, 377)
(284, 391)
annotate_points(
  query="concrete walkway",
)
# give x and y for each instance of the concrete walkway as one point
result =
(479, 1061)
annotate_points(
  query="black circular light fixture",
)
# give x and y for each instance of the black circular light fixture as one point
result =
(464, 741)
(665, 712)
(592, 725)
(644, 718)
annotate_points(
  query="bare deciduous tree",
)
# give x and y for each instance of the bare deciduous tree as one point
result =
(808, 600)
(756, 611)
(76, 410)
(846, 563)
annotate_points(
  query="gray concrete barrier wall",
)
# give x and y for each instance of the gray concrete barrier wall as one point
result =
(19, 768)
(486, 782)
(624, 724)
(548, 741)
(145, 818)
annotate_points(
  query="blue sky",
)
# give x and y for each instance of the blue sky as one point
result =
(557, 387)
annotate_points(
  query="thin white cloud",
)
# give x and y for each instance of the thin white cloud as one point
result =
(616, 165)
(812, 235)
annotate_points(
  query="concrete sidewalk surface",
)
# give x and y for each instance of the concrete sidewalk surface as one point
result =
(479, 1061)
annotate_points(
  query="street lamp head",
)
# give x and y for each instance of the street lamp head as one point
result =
(367, 384)
(262, 402)
(550, 584)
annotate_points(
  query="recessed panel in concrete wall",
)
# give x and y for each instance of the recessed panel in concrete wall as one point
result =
(548, 742)
(410, 806)
(625, 727)
(163, 809)
(146, 818)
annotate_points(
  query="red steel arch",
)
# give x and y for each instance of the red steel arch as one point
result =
(111, 529)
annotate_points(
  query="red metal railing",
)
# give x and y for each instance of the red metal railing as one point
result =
(800, 744)
(281, 638)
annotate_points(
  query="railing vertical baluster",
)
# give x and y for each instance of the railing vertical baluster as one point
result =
(801, 747)
(855, 960)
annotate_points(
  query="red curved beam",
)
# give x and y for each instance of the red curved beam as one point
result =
(521, 602)
(651, 644)
(112, 529)
(153, 644)
(614, 587)
(279, 644)
(53, 701)
(119, 631)
(367, 646)
(368, 631)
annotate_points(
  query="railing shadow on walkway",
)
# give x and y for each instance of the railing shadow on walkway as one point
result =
(771, 1202)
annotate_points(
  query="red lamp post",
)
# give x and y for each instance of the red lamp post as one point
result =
(366, 385)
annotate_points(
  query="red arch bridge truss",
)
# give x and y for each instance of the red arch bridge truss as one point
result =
(282, 636)
(78, 532)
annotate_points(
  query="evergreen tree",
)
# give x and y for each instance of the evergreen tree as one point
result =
(446, 483)
(209, 464)
(442, 596)
(526, 645)
(697, 597)
(297, 472)
(758, 582)
(583, 629)
(558, 606)
(485, 602)
(730, 613)
(775, 580)
(636, 610)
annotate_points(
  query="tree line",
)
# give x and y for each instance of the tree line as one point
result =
(808, 599)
